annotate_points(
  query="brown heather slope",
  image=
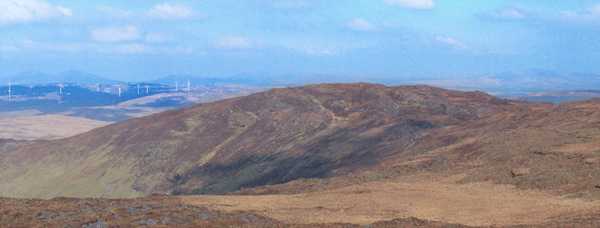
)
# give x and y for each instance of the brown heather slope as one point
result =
(266, 138)
(151, 212)
(11, 144)
(480, 204)
(531, 146)
(160, 211)
(338, 134)
(319, 155)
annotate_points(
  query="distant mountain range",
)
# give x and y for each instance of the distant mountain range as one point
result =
(182, 80)
(85, 78)
(542, 80)
(51, 93)
(74, 77)
(502, 84)
(111, 102)
(48, 98)
(530, 81)
(560, 96)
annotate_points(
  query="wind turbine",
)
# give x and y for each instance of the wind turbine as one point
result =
(9, 91)
(119, 90)
(138, 89)
(60, 89)
(147, 89)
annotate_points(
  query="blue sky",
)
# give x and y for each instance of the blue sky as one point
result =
(342, 39)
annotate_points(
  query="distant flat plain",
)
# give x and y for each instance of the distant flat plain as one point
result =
(32, 125)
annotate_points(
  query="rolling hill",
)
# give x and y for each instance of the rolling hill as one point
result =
(266, 138)
(334, 153)
(321, 131)
(271, 138)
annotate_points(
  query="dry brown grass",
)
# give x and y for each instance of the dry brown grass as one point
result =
(477, 204)
(588, 148)
(45, 127)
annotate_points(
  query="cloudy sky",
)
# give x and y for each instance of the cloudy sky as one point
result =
(143, 39)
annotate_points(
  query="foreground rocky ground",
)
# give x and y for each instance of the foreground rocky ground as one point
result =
(145, 212)
(164, 211)
(153, 211)
(476, 204)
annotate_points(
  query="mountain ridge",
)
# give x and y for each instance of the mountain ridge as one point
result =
(318, 131)
(71, 76)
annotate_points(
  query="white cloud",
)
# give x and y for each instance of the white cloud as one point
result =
(589, 14)
(450, 41)
(360, 24)
(115, 34)
(114, 12)
(140, 49)
(31, 45)
(595, 10)
(234, 42)
(171, 11)
(290, 4)
(155, 38)
(509, 13)
(412, 4)
(320, 47)
(21, 11)
(317, 51)
(130, 49)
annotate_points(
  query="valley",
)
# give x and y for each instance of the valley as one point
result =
(25, 126)
(60, 110)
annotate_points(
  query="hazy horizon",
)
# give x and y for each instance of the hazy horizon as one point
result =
(482, 44)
